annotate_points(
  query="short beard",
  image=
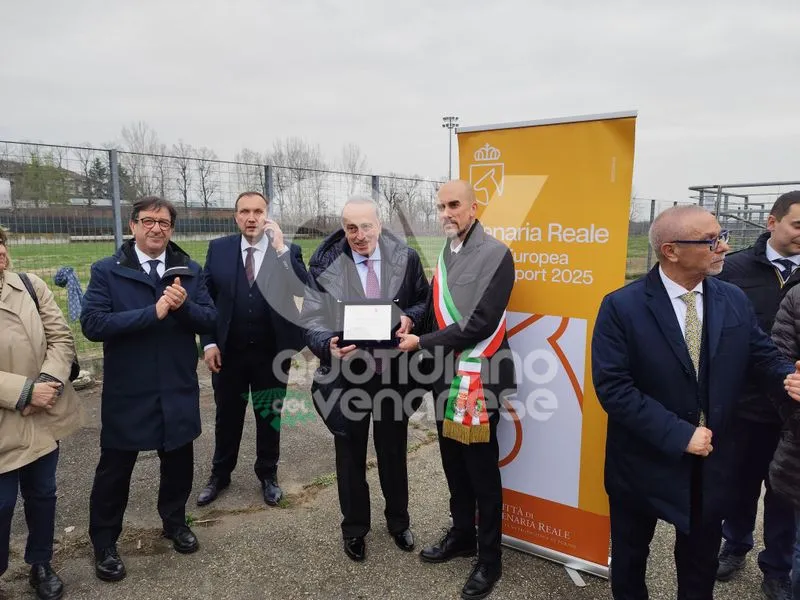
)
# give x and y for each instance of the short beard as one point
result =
(460, 232)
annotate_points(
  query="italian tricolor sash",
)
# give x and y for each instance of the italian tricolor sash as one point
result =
(465, 418)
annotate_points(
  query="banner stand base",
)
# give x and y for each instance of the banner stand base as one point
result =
(570, 563)
(575, 576)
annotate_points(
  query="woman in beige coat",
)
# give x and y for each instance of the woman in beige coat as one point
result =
(38, 407)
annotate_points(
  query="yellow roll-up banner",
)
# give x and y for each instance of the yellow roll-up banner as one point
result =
(558, 193)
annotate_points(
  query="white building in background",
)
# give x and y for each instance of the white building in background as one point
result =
(5, 193)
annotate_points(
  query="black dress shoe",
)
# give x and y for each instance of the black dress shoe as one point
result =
(47, 584)
(480, 582)
(404, 540)
(183, 540)
(355, 548)
(211, 491)
(272, 493)
(108, 566)
(453, 544)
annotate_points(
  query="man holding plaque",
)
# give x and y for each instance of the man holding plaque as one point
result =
(365, 286)
(467, 318)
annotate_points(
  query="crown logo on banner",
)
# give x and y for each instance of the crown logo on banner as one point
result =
(487, 174)
(487, 153)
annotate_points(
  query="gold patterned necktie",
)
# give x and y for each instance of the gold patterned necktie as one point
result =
(693, 336)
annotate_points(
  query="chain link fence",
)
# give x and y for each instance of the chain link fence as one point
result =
(66, 207)
(742, 208)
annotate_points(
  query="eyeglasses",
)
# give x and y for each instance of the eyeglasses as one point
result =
(713, 243)
(149, 223)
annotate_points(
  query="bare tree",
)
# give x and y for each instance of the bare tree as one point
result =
(209, 184)
(161, 171)
(183, 164)
(85, 158)
(352, 162)
(300, 160)
(250, 170)
(138, 141)
(400, 194)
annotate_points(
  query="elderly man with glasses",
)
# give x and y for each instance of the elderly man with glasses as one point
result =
(671, 353)
(146, 304)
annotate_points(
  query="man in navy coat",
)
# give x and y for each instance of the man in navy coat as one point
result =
(146, 303)
(253, 278)
(671, 353)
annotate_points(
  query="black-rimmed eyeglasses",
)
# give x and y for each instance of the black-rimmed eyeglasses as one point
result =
(712, 244)
(149, 223)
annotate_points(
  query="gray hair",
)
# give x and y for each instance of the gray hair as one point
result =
(361, 199)
(672, 224)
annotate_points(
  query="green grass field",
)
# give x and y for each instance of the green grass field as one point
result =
(45, 259)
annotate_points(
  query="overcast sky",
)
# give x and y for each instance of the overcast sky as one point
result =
(716, 85)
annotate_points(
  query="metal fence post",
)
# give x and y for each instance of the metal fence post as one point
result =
(116, 199)
(376, 187)
(268, 182)
(649, 247)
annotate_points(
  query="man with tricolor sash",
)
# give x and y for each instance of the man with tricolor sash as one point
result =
(467, 319)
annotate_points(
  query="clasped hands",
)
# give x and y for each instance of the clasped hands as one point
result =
(172, 299)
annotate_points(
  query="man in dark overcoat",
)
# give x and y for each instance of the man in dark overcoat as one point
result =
(146, 304)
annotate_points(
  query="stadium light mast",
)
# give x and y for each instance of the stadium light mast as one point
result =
(450, 123)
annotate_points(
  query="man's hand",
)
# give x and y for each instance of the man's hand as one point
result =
(792, 383)
(700, 444)
(341, 353)
(213, 359)
(406, 325)
(163, 307)
(408, 342)
(276, 234)
(45, 394)
(175, 294)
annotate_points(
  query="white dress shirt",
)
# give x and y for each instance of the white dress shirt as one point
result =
(144, 261)
(258, 255)
(773, 256)
(675, 291)
(361, 266)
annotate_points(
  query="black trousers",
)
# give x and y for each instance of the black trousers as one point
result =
(390, 436)
(755, 446)
(246, 375)
(473, 477)
(112, 481)
(695, 554)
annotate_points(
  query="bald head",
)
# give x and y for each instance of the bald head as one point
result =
(677, 223)
(457, 206)
(460, 188)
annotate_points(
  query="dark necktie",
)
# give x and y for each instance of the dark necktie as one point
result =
(786, 268)
(373, 285)
(250, 266)
(154, 276)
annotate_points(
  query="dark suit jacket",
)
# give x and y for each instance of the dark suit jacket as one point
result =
(150, 392)
(333, 279)
(646, 383)
(280, 279)
(480, 280)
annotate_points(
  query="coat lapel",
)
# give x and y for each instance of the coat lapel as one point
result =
(233, 254)
(661, 306)
(714, 307)
(393, 271)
